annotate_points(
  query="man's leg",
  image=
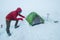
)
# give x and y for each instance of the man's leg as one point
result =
(8, 27)
(16, 26)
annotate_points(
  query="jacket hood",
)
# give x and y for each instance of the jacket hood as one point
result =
(18, 9)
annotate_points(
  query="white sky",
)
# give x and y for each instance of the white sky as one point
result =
(40, 6)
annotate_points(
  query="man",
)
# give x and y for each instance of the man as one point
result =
(13, 16)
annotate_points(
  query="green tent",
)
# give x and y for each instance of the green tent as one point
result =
(33, 19)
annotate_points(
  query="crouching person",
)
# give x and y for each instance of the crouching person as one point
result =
(12, 16)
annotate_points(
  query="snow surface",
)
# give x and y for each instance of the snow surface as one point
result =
(47, 31)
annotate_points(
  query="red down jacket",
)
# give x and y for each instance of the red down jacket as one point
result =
(13, 15)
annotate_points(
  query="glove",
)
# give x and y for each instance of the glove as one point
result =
(20, 19)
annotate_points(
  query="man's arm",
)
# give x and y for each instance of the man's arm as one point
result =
(17, 18)
(21, 15)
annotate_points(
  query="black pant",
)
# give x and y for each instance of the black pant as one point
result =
(8, 26)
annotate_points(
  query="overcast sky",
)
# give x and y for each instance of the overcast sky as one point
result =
(40, 6)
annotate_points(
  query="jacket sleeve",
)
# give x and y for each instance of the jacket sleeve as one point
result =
(17, 18)
(21, 15)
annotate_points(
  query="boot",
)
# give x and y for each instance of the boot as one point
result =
(16, 26)
(8, 32)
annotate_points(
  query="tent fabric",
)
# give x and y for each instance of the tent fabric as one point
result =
(33, 18)
(36, 21)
